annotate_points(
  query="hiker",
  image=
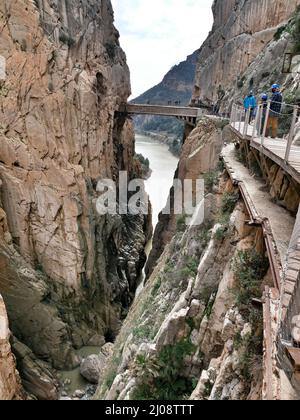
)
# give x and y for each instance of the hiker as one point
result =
(250, 103)
(264, 105)
(275, 112)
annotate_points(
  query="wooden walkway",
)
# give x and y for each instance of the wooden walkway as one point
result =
(275, 149)
(161, 110)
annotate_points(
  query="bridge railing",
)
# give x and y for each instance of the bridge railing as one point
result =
(263, 123)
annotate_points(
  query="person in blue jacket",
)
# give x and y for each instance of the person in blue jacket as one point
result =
(250, 103)
(275, 111)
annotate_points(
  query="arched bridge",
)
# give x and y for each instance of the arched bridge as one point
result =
(187, 114)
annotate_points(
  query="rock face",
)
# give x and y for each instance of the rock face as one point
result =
(9, 378)
(242, 30)
(68, 275)
(194, 321)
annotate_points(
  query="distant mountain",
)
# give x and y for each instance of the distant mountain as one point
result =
(176, 86)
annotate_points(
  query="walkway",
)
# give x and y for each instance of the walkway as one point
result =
(281, 150)
(281, 222)
(187, 114)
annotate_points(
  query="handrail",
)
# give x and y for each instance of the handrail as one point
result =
(259, 128)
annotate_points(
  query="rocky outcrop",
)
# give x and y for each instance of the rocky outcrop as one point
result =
(93, 366)
(37, 378)
(199, 155)
(10, 387)
(242, 31)
(68, 275)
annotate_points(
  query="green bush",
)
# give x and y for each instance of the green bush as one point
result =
(66, 39)
(210, 180)
(279, 32)
(181, 223)
(221, 233)
(163, 379)
(111, 50)
(229, 202)
(249, 268)
(156, 287)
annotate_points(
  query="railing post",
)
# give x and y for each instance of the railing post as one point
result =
(234, 116)
(291, 134)
(257, 122)
(266, 123)
(240, 120)
(247, 121)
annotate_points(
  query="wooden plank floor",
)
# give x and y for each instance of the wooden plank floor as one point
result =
(274, 149)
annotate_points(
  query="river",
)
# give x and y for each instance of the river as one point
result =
(163, 165)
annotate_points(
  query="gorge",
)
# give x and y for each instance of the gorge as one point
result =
(199, 328)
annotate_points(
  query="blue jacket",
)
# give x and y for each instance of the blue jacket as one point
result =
(276, 104)
(250, 102)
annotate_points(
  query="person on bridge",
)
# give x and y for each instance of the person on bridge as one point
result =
(275, 111)
(264, 104)
(250, 103)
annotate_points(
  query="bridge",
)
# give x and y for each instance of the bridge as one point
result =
(187, 114)
(282, 336)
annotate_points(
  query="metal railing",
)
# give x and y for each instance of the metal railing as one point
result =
(264, 122)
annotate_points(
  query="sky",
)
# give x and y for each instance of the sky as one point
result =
(157, 34)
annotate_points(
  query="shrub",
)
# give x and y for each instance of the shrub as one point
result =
(221, 233)
(144, 331)
(249, 268)
(66, 39)
(163, 378)
(111, 50)
(210, 180)
(190, 269)
(279, 32)
(156, 287)
(181, 223)
(229, 202)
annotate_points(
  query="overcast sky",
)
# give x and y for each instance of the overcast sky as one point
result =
(157, 34)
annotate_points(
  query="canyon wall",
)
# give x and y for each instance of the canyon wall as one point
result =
(68, 275)
(242, 30)
(10, 387)
(193, 332)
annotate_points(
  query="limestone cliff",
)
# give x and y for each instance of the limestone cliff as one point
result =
(68, 275)
(242, 30)
(10, 387)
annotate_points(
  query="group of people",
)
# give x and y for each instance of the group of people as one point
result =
(250, 103)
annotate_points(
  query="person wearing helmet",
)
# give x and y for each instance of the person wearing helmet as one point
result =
(250, 103)
(264, 103)
(275, 111)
